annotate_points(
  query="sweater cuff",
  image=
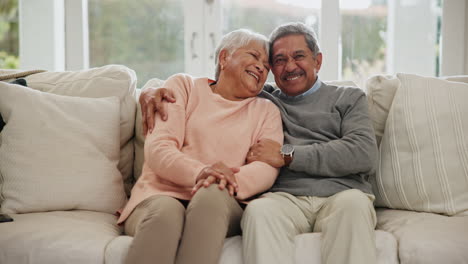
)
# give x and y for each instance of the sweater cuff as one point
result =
(301, 158)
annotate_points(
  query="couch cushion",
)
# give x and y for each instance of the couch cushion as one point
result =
(109, 80)
(425, 238)
(423, 155)
(308, 248)
(57, 237)
(380, 91)
(117, 249)
(59, 152)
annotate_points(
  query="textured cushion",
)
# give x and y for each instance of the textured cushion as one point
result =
(456, 78)
(423, 153)
(117, 249)
(72, 237)
(59, 152)
(425, 238)
(380, 92)
(109, 80)
(139, 138)
(308, 248)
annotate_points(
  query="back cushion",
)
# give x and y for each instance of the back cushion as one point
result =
(423, 154)
(109, 80)
(381, 90)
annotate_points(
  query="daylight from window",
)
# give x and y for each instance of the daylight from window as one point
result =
(9, 42)
(150, 36)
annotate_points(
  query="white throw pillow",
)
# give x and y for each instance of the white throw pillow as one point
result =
(424, 150)
(59, 152)
(380, 91)
(108, 80)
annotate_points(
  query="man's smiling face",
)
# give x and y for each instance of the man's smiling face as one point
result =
(294, 65)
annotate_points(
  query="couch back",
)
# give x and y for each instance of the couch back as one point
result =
(121, 81)
(109, 80)
(380, 91)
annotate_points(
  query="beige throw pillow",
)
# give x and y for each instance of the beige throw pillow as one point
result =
(424, 150)
(59, 152)
(109, 80)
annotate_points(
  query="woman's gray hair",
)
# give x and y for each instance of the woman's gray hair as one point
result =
(296, 28)
(237, 39)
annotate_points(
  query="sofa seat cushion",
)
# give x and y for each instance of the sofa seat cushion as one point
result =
(425, 237)
(308, 248)
(57, 237)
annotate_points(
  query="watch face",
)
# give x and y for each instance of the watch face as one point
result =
(287, 149)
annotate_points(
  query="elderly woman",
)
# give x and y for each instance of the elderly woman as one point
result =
(195, 178)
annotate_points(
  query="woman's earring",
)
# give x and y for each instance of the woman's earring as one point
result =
(222, 67)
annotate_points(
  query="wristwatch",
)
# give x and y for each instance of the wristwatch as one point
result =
(287, 151)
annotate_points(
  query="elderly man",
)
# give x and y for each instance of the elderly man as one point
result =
(328, 155)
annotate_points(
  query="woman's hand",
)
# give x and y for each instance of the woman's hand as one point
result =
(217, 173)
(154, 100)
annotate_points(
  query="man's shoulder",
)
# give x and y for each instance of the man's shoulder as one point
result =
(344, 90)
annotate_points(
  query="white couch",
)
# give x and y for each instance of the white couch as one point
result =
(77, 234)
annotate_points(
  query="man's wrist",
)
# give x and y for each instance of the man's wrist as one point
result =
(287, 152)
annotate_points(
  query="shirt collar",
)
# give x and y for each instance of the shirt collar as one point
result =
(314, 88)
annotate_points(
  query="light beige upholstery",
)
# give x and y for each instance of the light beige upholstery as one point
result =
(57, 237)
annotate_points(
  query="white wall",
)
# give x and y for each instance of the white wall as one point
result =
(453, 43)
(42, 31)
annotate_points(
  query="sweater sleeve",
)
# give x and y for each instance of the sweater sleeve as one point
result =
(354, 153)
(163, 146)
(257, 176)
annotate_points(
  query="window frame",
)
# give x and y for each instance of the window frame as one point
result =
(64, 44)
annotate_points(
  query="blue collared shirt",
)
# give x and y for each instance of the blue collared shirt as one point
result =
(314, 88)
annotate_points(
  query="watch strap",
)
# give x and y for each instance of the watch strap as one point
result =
(287, 159)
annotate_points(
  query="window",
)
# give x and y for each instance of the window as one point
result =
(9, 36)
(146, 35)
(264, 16)
(158, 38)
(363, 35)
(389, 36)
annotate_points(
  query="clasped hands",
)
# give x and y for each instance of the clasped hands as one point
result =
(220, 174)
(264, 150)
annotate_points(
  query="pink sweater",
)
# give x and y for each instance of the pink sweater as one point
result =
(202, 129)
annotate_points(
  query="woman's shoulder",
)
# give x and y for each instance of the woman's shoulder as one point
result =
(265, 105)
(185, 83)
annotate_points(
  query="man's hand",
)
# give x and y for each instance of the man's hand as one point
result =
(154, 100)
(267, 151)
(217, 173)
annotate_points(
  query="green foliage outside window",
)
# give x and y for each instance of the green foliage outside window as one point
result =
(145, 35)
(9, 34)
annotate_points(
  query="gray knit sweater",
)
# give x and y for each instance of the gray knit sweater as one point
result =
(335, 147)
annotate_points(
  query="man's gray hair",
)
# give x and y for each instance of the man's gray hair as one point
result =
(237, 39)
(295, 28)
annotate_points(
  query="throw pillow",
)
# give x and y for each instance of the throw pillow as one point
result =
(17, 81)
(109, 80)
(424, 149)
(59, 152)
